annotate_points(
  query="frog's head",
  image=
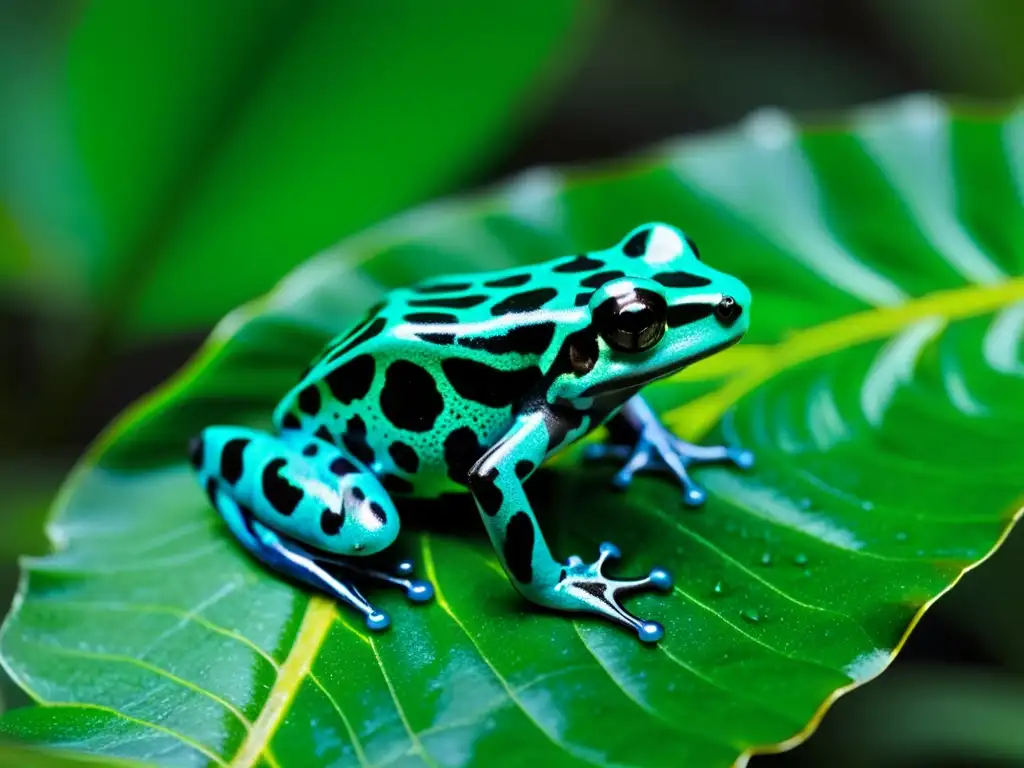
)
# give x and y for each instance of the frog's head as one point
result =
(667, 310)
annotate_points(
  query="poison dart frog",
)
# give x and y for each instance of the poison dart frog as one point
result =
(467, 383)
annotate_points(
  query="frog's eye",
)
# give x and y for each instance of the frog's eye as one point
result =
(631, 321)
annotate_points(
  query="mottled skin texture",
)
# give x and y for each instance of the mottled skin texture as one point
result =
(468, 382)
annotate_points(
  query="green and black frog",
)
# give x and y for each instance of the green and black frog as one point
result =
(467, 383)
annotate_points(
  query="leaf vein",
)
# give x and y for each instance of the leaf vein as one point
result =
(728, 691)
(416, 743)
(188, 742)
(753, 638)
(149, 667)
(317, 619)
(50, 565)
(356, 745)
(758, 577)
(643, 705)
(163, 609)
(431, 572)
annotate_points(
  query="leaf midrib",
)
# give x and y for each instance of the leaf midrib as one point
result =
(316, 621)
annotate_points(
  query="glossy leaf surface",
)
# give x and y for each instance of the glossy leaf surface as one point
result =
(150, 150)
(33, 757)
(880, 387)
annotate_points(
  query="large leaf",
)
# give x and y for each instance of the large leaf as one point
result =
(880, 387)
(148, 148)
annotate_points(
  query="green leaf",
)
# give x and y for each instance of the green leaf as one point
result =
(152, 148)
(30, 757)
(879, 386)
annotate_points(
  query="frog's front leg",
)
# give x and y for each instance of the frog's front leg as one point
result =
(273, 491)
(496, 481)
(654, 447)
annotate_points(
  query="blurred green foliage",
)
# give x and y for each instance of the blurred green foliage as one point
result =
(972, 47)
(930, 715)
(147, 150)
(168, 161)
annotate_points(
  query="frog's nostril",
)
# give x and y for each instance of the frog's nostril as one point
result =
(727, 310)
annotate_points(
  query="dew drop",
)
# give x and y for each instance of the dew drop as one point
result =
(766, 558)
(867, 506)
(901, 536)
(751, 616)
(804, 503)
(800, 559)
(719, 588)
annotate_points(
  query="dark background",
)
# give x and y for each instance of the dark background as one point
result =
(648, 71)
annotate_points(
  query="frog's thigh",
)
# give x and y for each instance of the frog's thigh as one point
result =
(496, 482)
(300, 486)
(232, 466)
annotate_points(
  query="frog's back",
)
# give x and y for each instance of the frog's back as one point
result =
(433, 376)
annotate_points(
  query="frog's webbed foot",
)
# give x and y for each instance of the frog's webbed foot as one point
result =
(585, 587)
(658, 450)
(668, 454)
(292, 559)
(417, 590)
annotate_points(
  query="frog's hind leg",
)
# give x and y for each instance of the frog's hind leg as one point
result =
(289, 558)
(297, 504)
(417, 590)
(654, 448)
